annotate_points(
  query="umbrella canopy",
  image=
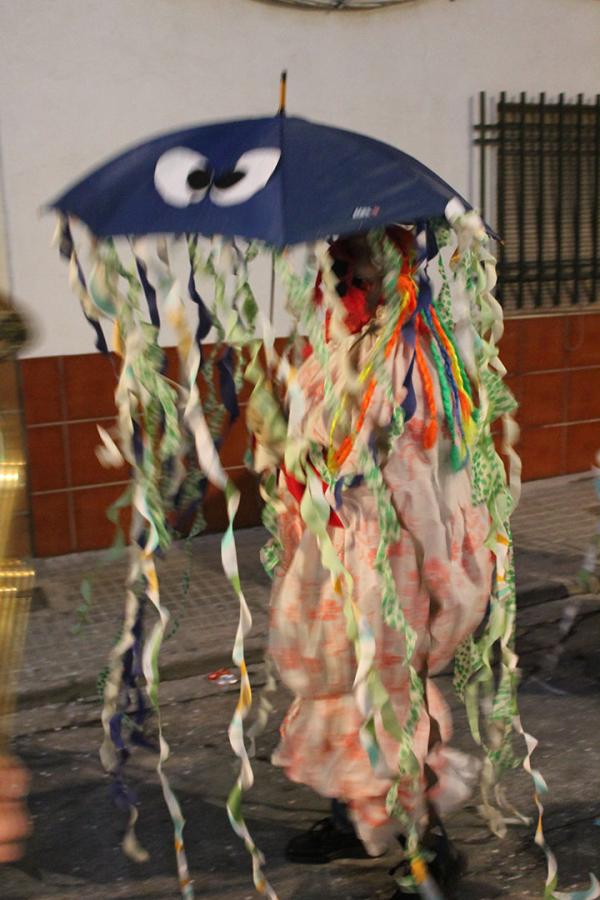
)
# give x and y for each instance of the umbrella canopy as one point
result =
(280, 179)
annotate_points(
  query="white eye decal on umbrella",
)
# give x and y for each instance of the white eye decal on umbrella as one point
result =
(249, 176)
(182, 176)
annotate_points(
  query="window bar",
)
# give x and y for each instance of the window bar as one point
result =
(501, 187)
(577, 207)
(521, 197)
(559, 195)
(483, 151)
(540, 207)
(595, 204)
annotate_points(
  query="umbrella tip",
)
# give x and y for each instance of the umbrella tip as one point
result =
(282, 92)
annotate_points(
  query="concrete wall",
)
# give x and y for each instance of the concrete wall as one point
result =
(80, 79)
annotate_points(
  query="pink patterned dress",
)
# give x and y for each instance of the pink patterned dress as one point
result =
(442, 572)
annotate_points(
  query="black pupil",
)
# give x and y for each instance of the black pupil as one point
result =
(198, 179)
(228, 179)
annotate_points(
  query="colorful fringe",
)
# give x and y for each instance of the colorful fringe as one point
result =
(163, 426)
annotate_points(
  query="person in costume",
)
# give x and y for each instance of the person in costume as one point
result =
(441, 568)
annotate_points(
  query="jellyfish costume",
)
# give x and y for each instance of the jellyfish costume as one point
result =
(385, 497)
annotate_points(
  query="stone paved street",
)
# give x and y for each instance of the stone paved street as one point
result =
(552, 527)
(59, 664)
(74, 852)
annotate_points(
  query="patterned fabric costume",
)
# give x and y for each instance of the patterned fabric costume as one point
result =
(442, 572)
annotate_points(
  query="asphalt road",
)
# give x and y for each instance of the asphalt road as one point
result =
(74, 852)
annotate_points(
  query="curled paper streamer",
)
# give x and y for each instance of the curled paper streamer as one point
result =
(107, 452)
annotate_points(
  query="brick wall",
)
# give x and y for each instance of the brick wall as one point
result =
(554, 366)
(64, 398)
(554, 371)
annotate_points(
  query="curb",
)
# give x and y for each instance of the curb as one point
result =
(190, 666)
(542, 593)
(198, 664)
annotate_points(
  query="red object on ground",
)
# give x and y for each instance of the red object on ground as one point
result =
(218, 673)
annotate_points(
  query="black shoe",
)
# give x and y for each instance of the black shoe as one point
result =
(445, 869)
(324, 842)
(449, 864)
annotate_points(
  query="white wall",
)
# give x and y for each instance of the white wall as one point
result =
(80, 79)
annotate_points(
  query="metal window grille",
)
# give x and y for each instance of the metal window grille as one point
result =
(539, 166)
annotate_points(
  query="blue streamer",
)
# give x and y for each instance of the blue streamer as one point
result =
(432, 244)
(149, 291)
(122, 795)
(409, 404)
(66, 248)
(205, 321)
(226, 365)
(138, 443)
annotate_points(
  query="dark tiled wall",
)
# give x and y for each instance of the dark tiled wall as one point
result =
(65, 397)
(554, 371)
(554, 366)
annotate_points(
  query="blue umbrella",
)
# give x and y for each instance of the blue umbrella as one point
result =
(283, 180)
